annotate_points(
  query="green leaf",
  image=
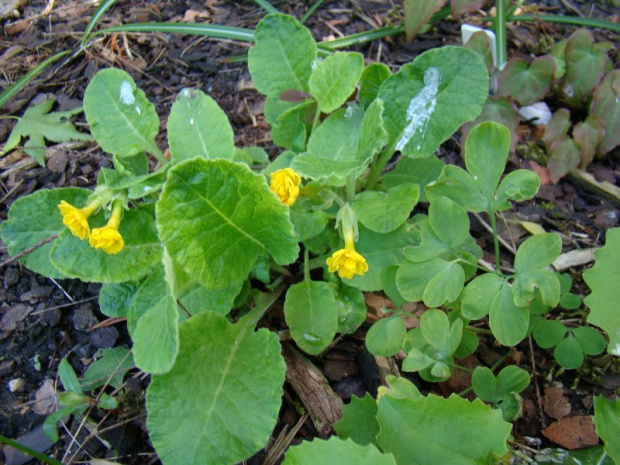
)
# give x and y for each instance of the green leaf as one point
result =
(417, 13)
(518, 185)
(380, 251)
(607, 421)
(290, 128)
(527, 84)
(564, 156)
(385, 337)
(420, 171)
(343, 145)
(449, 222)
(478, 295)
(602, 279)
(336, 450)
(156, 334)
(499, 110)
(351, 309)
(370, 81)
(486, 150)
(334, 79)
(557, 127)
(595, 455)
(508, 322)
(549, 333)
(605, 105)
(197, 127)
(469, 344)
(388, 283)
(38, 125)
(412, 278)
(68, 377)
(568, 353)
(311, 312)
(445, 286)
(121, 118)
(591, 341)
(359, 420)
(216, 218)
(484, 384)
(538, 252)
(115, 298)
(384, 212)
(419, 100)
(283, 55)
(308, 222)
(458, 185)
(240, 372)
(524, 287)
(589, 134)
(436, 430)
(110, 364)
(511, 379)
(438, 332)
(35, 218)
(581, 54)
(142, 250)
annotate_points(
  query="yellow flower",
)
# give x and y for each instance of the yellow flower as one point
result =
(76, 219)
(347, 262)
(108, 238)
(285, 184)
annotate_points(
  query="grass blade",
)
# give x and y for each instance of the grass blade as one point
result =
(208, 30)
(105, 6)
(311, 10)
(575, 20)
(23, 82)
(28, 451)
(267, 6)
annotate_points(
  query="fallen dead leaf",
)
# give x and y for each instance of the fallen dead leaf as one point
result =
(556, 405)
(45, 399)
(572, 433)
(542, 172)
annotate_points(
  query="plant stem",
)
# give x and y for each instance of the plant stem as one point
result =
(28, 451)
(473, 329)
(495, 241)
(311, 10)
(317, 116)
(500, 33)
(318, 262)
(350, 188)
(157, 153)
(377, 168)
(500, 361)
(306, 265)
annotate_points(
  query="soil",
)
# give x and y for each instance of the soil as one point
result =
(44, 320)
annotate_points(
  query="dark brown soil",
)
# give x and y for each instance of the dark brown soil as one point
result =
(43, 321)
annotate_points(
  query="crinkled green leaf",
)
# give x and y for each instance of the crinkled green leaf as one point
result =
(221, 399)
(436, 430)
(359, 420)
(311, 312)
(602, 279)
(142, 250)
(343, 145)
(385, 337)
(384, 212)
(283, 55)
(370, 81)
(35, 218)
(420, 110)
(115, 298)
(607, 421)
(197, 127)
(336, 450)
(121, 118)
(216, 218)
(290, 128)
(38, 125)
(334, 79)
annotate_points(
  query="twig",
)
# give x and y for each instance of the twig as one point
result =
(502, 241)
(283, 441)
(535, 375)
(28, 250)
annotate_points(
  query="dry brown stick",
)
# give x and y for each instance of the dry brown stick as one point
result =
(282, 442)
(28, 250)
(323, 404)
(535, 375)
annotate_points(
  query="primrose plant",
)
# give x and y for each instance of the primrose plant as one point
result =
(212, 228)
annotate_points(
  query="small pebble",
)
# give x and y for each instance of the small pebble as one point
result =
(16, 385)
(104, 338)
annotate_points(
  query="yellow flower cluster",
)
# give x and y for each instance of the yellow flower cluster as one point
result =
(347, 262)
(285, 184)
(107, 238)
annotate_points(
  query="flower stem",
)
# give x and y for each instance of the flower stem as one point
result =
(306, 265)
(263, 303)
(491, 214)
